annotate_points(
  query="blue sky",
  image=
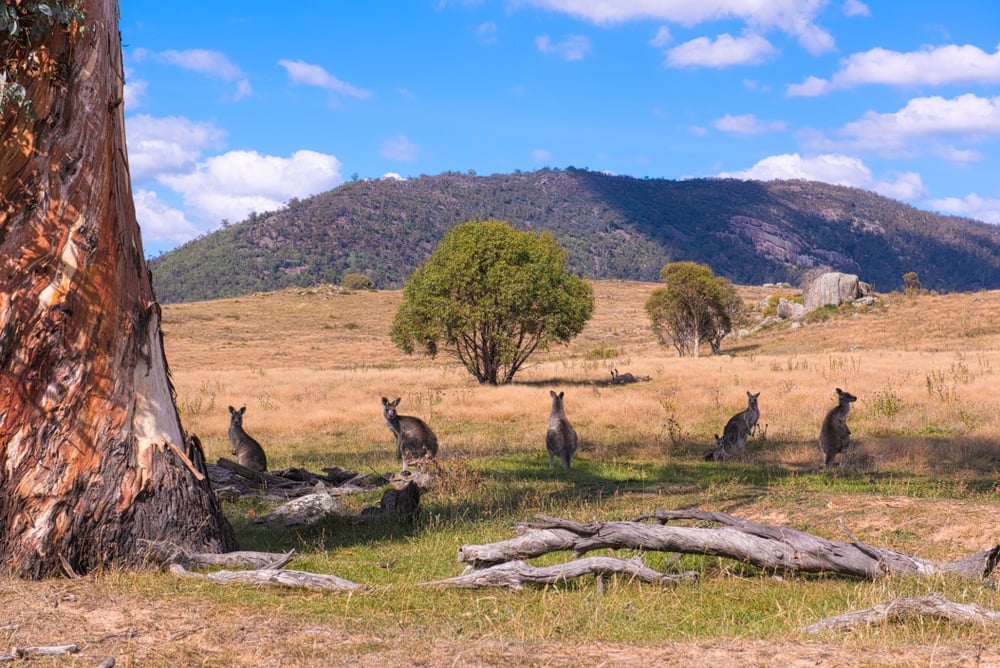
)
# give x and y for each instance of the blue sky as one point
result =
(233, 107)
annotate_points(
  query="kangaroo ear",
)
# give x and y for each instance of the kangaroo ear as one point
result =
(552, 394)
(396, 402)
(385, 402)
(561, 394)
(243, 410)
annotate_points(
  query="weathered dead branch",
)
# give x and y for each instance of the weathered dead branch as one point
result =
(772, 548)
(514, 574)
(28, 652)
(273, 577)
(901, 609)
(163, 552)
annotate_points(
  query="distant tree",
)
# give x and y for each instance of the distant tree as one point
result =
(911, 284)
(353, 280)
(492, 295)
(693, 306)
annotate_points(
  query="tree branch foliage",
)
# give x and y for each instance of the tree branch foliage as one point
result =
(492, 295)
(694, 306)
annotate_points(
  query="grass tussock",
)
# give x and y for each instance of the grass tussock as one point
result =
(312, 365)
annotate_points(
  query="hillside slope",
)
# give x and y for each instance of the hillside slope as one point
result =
(611, 227)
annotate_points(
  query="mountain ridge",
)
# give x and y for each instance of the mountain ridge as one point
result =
(610, 226)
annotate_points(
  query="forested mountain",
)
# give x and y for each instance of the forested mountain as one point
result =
(611, 227)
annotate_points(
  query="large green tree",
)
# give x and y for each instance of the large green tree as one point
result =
(492, 295)
(693, 306)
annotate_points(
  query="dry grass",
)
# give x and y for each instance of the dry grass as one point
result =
(311, 365)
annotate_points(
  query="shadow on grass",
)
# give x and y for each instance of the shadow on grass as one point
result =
(505, 490)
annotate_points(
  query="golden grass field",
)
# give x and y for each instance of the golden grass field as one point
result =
(312, 364)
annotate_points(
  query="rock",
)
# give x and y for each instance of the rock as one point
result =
(833, 288)
(305, 510)
(789, 309)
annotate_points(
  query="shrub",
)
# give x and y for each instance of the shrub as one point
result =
(353, 280)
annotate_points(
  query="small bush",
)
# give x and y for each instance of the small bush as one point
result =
(357, 281)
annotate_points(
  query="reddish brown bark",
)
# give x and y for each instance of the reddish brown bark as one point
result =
(87, 412)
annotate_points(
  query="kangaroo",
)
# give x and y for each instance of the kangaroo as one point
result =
(560, 440)
(740, 426)
(625, 378)
(622, 378)
(834, 435)
(718, 453)
(414, 439)
(248, 451)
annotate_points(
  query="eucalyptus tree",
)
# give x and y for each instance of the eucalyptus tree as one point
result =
(492, 295)
(93, 458)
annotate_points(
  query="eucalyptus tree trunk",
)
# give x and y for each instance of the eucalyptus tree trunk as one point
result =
(93, 458)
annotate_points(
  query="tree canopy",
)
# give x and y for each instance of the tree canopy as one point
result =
(693, 306)
(492, 295)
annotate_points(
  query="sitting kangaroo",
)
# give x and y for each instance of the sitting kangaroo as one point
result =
(248, 451)
(739, 427)
(560, 440)
(834, 435)
(414, 439)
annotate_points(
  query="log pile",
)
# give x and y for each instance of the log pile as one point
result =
(232, 481)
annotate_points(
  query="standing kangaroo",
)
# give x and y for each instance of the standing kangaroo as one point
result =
(834, 435)
(248, 451)
(741, 425)
(414, 439)
(560, 440)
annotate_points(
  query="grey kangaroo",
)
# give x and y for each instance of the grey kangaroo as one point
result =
(248, 451)
(414, 439)
(737, 430)
(834, 435)
(560, 440)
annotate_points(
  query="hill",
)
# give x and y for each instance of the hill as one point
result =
(611, 227)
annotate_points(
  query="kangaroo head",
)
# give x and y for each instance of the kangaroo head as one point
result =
(389, 408)
(845, 397)
(236, 416)
(752, 398)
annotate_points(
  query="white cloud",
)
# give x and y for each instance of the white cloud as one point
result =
(540, 155)
(837, 169)
(725, 51)
(856, 8)
(399, 148)
(486, 33)
(931, 66)
(212, 64)
(970, 206)
(392, 176)
(747, 124)
(574, 47)
(307, 74)
(233, 184)
(662, 38)
(134, 91)
(166, 145)
(795, 17)
(913, 128)
(160, 223)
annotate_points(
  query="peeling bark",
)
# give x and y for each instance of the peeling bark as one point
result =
(91, 444)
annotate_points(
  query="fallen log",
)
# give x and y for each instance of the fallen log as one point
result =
(772, 548)
(165, 553)
(273, 577)
(933, 605)
(514, 574)
(28, 652)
